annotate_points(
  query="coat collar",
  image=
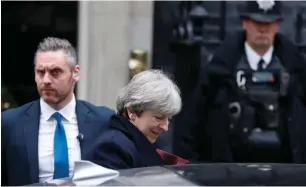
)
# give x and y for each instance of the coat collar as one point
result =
(144, 146)
(283, 48)
(67, 112)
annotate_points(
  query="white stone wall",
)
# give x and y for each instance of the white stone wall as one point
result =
(108, 31)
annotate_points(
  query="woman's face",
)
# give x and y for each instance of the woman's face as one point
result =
(151, 124)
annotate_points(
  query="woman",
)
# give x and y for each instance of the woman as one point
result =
(144, 107)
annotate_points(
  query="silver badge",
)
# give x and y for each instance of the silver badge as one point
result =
(265, 4)
(240, 79)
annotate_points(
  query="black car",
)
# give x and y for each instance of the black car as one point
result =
(212, 174)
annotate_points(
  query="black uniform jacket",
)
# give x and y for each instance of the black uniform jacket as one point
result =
(205, 120)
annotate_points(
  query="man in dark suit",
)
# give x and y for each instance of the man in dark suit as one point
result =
(41, 139)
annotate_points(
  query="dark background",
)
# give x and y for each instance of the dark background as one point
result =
(24, 24)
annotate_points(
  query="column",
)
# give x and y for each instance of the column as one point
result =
(108, 31)
(141, 27)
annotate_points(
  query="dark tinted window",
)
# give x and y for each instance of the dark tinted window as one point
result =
(244, 174)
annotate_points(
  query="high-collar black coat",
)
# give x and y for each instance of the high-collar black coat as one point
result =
(123, 146)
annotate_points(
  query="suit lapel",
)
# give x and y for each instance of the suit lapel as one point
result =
(30, 122)
(86, 127)
(86, 123)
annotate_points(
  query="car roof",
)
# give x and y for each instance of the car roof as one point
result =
(216, 174)
(243, 174)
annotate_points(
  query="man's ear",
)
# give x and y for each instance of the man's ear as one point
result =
(244, 23)
(76, 73)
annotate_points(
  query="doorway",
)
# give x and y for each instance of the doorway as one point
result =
(24, 25)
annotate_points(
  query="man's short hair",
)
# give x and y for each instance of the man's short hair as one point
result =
(58, 44)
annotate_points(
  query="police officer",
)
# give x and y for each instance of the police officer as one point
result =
(250, 103)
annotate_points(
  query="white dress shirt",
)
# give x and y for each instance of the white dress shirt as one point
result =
(46, 137)
(254, 58)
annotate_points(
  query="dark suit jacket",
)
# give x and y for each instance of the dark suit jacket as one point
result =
(123, 146)
(19, 138)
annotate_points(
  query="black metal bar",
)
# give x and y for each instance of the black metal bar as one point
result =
(298, 28)
(222, 22)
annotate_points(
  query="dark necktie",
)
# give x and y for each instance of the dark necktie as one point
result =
(61, 161)
(260, 65)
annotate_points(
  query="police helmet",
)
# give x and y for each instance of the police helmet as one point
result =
(262, 11)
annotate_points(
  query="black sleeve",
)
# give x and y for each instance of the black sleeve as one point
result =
(195, 145)
(4, 177)
(302, 76)
(4, 181)
(203, 140)
(111, 155)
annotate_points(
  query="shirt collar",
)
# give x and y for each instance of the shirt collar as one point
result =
(67, 112)
(254, 58)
